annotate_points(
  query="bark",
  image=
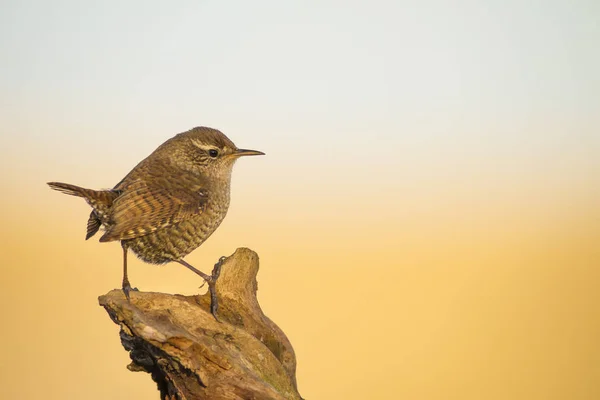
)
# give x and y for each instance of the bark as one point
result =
(190, 355)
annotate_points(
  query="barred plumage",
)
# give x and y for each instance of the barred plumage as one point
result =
(170, 203)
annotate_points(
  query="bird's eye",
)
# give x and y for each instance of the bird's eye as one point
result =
(213, 153)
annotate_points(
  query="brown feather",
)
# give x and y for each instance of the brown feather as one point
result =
(100, 200)
(143, 209)
(93, 225)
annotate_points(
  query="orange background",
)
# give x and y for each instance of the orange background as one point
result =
(427, 215)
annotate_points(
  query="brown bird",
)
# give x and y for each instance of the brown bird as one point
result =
(170, 203)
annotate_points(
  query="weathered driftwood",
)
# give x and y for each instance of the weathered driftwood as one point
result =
(192, 356)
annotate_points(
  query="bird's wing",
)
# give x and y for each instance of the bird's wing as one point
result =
(143, 208)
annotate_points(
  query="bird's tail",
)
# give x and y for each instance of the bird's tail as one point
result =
(98, 199)
(71, 189)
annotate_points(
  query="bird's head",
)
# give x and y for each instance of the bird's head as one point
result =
(210, 152)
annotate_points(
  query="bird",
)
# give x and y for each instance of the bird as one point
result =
(169, 203)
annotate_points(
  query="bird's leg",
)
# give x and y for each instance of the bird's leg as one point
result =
(211, 280)
(126, 286)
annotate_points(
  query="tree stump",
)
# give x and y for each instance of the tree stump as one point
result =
(191, 356)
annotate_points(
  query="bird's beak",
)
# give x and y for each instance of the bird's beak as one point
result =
(244, 152)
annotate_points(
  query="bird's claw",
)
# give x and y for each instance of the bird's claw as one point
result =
(216, 272)
(212, 281)
(127, 288)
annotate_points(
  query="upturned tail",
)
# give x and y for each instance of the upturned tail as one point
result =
(100, 200)
(72, 189)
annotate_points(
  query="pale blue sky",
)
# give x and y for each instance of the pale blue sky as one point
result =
(383, 85)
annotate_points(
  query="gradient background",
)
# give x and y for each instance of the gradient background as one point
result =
(427, 215)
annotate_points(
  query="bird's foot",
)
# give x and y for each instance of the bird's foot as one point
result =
(127, 288)
(212, 280)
